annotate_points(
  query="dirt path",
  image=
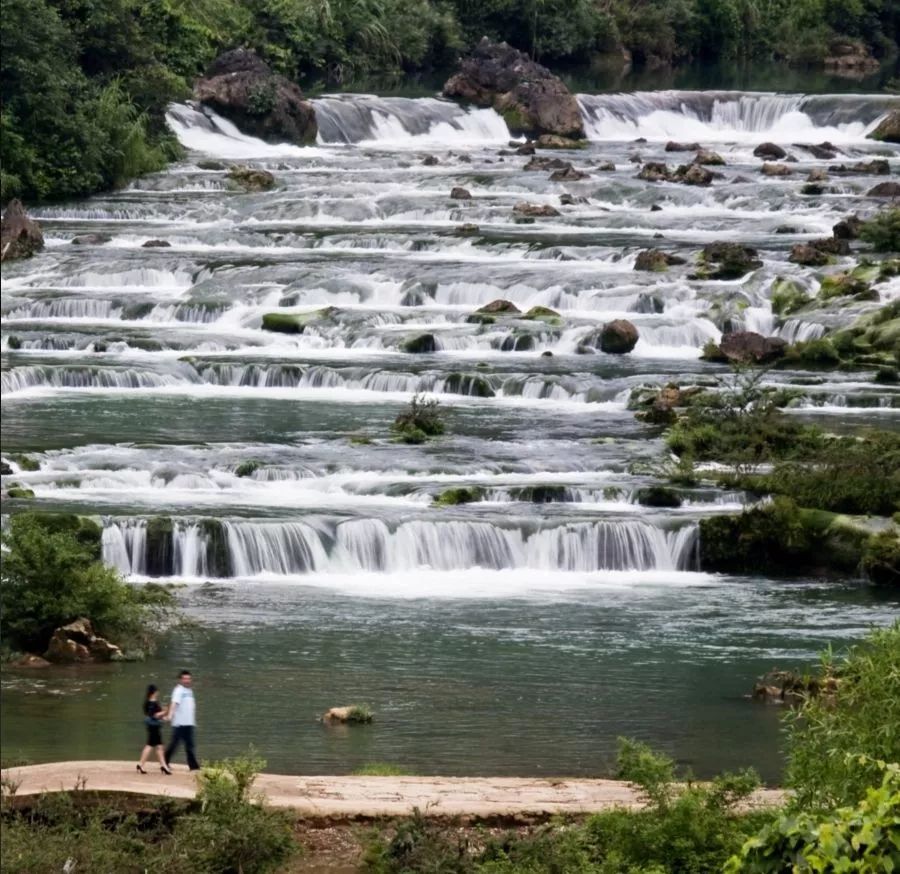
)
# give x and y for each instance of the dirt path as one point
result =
(359, 796)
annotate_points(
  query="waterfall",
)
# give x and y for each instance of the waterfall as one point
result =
(22, 378)
(320, 545)
(355, 118)
(731, 115)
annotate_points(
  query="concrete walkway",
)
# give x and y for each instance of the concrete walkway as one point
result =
(359, 796)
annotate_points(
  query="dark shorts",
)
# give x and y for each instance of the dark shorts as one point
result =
(154, 735)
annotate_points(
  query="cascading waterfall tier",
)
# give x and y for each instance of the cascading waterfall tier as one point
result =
(162, 547)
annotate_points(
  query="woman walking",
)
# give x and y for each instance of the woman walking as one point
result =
(154, 713)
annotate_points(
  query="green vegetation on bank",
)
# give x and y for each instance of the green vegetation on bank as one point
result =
(51, 574)
(85, 84)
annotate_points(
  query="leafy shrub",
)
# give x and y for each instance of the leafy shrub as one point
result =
(835, 740)
(846, 475)
(883, 231)
(418, 421)
(51, 576)
(233, 831)
(862, 838)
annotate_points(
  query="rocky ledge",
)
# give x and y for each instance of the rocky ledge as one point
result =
(529, 97)
(240, 86)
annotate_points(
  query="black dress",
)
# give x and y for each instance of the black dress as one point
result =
(154, 731)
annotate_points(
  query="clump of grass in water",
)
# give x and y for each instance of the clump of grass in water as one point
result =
(360, 713)
(419, 421)
(381, 769)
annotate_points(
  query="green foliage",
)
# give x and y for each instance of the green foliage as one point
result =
(684, 829)
(247, 468)
(226, 830)
(860, 839)
(419, 420)
(883, 231)
(881, 557)
(360, 713)
(233, 831)
(835, 739)
(741, 425)
(846, 475)
(51, 575)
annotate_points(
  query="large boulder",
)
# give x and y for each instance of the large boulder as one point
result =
(883, 189)
(20, 236)
(240, 86)
(242, 178)
(76, 642)
(748, 347)
(529, 97)
(655, 260)
(769, 152)
(618, 337)
(888, 130)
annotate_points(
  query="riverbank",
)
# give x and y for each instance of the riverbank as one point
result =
(362, 797)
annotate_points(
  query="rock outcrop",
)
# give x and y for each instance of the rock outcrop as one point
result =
(20, 236)
(770, 152)
(888, 131)
(76, 642)
(748, 347)
(240, 86)
(529, 97)
(656, 260)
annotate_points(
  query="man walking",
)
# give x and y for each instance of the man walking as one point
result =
(182, 717)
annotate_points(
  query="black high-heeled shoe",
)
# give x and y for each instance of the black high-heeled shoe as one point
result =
(141, 769)
(165, 770)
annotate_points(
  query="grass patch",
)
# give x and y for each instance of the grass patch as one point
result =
(381, 769)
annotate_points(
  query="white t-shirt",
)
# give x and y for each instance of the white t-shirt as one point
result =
(183, 702)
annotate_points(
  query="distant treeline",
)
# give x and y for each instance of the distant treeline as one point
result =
(85, 82)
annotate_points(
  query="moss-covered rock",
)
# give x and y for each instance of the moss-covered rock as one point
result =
(250, 179)
(888, 131)
(845, 285)
(468, 384)
(18, 491)
(781, 539)
(787, 297)
(459, 495)
(218, 554)
(160, 548)
(543, 314)
(881, 558)
(422, 344)
(726, 261)
(547, 494)
(296, 323)
(658, 496)
(247, 468)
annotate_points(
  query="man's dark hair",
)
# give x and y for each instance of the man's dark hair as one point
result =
(184, 674)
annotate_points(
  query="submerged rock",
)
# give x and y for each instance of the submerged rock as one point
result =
(458, 193)
(535, 210)
(91, 239)
(20, 236)
(529, 97)
(775, 170)
(709, 158)
(770, 152)
(156, 244)
(656, 260)
(250, 179)
(732, 260)
(240, 86)
(554, 141)
(848, 228)
(542, 163)
(570, 174)
(808, 255)
(672, 146)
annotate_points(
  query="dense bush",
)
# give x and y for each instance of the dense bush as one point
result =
(836, 739)
(689, 827)
(50, 575)
(883, 231)
(225, 830)
(418, 421)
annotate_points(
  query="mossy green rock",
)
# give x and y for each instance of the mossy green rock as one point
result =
(787, 297)
(296, 323)
(17, 491)
(461, 495)
(845, 285)
(658, 496)
(543, 314)
(247, 468)
(468, 384)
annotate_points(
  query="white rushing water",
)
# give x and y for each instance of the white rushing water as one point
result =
(141, 375)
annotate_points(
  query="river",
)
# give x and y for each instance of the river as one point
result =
(517, 634)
